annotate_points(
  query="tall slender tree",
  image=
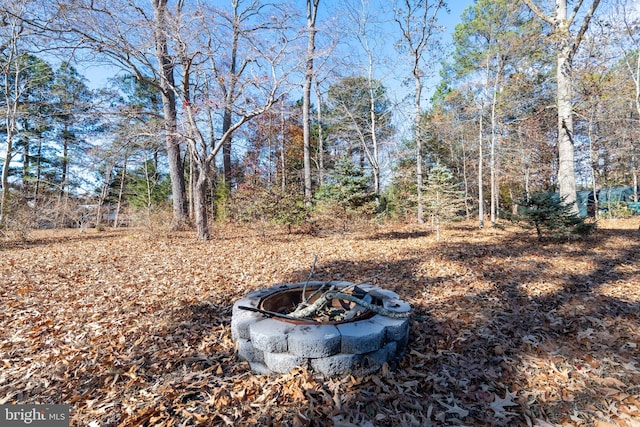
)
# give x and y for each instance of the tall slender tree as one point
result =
(228, 43)
(71, 103)
(264, 72)
(34, 122)
(367, 31)
(566, 46)
(360, 120)
(492, 34)
(13, 87)
(312, 13)
(166, 82)
(418, 21)
(629, 44)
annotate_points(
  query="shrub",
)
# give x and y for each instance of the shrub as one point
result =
(252, 203)
(550, 215)
(347, 192)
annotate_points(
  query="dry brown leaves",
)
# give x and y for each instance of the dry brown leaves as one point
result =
(133, 330)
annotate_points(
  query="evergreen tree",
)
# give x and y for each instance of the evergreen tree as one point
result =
(549, 214)
(443, 197)
(347, 188)
(359, 118)
(24, 93)
(33, 122)
(71, 104)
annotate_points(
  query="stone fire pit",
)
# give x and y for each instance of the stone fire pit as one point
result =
(272, 341)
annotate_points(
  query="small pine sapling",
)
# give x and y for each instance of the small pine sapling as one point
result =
(550, 215)
(442, 196)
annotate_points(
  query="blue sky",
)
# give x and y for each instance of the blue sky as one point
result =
(456, 7)
(97, 75)
(391, 75)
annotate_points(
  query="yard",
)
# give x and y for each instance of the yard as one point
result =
(132, 327)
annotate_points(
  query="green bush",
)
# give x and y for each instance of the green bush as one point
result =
(551, 216)
(347, 186)
(221, 201)
(347, 193)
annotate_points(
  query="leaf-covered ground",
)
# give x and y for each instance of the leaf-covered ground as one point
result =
(132, 329)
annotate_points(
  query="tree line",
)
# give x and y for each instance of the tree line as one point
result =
(251, 108)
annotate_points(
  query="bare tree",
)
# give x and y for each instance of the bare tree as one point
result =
(367, 32)
(419, 26)
(225, 43)
(480, 165)
(19, 76)
(165, 72)
(260, 82)
(132, 35)
(567, 44)
(631, 50)
(312, 13)
(12, 88)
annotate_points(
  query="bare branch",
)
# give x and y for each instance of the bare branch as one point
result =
(585, 25)
(539, 13)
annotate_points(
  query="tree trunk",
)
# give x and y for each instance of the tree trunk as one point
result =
(200, 192)
(4, 203)
(566, 155)
(635, 179)
(65, 161)
(418, 138)
(636, 80)
(36, 190)
(283, 183)
(418, 26)
(492, 161)
(26, 165)
(120, 193)
(568, 45)
(312, 10)
(103, 194)
(595, 193)
(321, 171)
(229, 95)
(192, 183)
(166, 69)
(480, 161)
(226, 147)
(465, 180)
(10, 116)
(593, 162)
(375, 165)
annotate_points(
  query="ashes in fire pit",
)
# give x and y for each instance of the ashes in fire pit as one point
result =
(331, 327)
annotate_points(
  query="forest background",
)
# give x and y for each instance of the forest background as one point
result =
(291, 112)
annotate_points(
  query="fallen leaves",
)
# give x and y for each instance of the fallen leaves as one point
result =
(132, 330)
(500, 405)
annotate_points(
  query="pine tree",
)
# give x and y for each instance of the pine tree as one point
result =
(443, 197)
(348, 188)
(548, 213)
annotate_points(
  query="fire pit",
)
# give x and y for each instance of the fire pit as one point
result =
(342, 337)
